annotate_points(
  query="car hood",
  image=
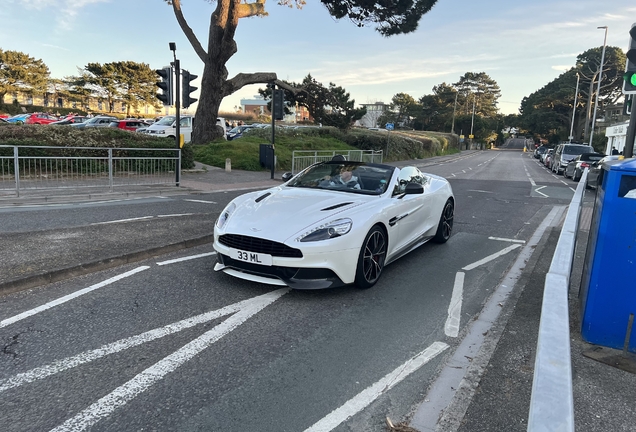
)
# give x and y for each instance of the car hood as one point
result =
(287, 211)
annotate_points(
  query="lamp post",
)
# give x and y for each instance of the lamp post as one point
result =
(454, 108)
(576, 93)
(598, 88)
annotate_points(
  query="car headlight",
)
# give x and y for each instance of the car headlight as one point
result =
(225, 215)
(163, 131)
(327, 231)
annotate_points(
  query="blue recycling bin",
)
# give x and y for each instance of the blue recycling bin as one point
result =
(608, 286)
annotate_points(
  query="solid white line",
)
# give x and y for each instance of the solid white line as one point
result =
(491, 257)
(532, 182)
(176, 260)
(200, 201)
(66, 298)
(365, 397)
(146, 379)
(173, 215)
(451, 328)
(506, 239)
(123, 220)
(117, 346)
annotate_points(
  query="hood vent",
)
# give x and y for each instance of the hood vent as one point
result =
(262, 197)
(336, 206)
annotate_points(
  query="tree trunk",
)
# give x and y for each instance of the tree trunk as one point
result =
(210, 100)
(588, 116)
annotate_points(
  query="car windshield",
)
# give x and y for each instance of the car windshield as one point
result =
(353, 177)
(577, 150)
(166, 121)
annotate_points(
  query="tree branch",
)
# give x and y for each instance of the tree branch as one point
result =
(176, 6)
(245, 10)
(241, 80)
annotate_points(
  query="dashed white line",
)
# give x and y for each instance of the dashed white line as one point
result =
(146, 379)
(175, 215)
(66, 298)
(491, 257)
(451, 328)
(506, 239)
(365, 397)
(200, 201)
(176, 260)
(123, 220)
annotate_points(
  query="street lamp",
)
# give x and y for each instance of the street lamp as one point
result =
(576, 93)
(454, 108)
(598, 88)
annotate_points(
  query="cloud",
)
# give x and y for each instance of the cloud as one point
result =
(56, 47)
(64, 11)
(561, 68)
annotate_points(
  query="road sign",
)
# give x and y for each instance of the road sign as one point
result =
(471, 136)
(390, 126)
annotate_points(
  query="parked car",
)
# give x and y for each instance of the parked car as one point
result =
(564, 153)
(238, 131)
(539, 151)
(95, 122)
(70, 120)
(128, 124)
(546, 158)
(595, 169)
(41, 118)
(575, 168)
(19, 119)
(167, 127)
(312, 233)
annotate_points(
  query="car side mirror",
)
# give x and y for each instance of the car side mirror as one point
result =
(287, 176)
(413, 189)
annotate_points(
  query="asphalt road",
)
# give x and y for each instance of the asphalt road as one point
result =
(172, 345)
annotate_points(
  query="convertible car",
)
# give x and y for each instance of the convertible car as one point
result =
(315, 231)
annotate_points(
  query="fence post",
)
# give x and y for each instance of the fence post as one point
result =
(110, 169)
(179, 169)
(16, 170)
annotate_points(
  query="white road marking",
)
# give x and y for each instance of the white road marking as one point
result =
(365, 397)
(453, 175)
(477, 190)
(506, 239)
(532, 182)
(143, 381)
(120, 345)
(464, 171)
(491, 257)
(200, 201)
(564, 182)
(66, 298)
(123, 220)
(176, 260)
(451, 328)
(538, 189)
(572, 189)
(175, 215)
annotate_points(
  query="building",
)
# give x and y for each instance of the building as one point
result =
(616, 136)
(374, 112)
(257, 106)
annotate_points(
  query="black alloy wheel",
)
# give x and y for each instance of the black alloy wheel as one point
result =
(445, 226)
(371, 259)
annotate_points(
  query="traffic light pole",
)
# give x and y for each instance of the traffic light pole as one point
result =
(177, 105)
(628, 150)
(273, 87)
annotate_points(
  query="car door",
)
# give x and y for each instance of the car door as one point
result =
(410, 215)
(186, 129)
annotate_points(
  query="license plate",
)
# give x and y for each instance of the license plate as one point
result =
(251, 257)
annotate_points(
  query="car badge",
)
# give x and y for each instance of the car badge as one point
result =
(255, 229)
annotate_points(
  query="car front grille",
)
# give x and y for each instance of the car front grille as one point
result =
(258, 245)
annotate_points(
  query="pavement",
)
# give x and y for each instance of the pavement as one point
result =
(495, 393)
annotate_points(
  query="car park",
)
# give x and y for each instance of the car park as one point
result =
(317, 232)
(575, 167)
(564, 153)
(595, 169)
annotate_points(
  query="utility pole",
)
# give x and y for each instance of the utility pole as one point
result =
(598, 88)
(576, 93)
(454, 109)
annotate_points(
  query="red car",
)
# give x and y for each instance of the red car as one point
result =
(41, 118)
(128, 124)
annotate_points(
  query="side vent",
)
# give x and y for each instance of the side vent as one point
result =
(336, 206)
(262, 197)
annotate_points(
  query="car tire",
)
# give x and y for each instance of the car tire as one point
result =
(371, 259)
(19, 122)
(445, 226)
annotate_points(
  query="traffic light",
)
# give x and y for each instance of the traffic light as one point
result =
(165, 85)
(279, 99)
(627, 105)
(186, 88)
(629, 85)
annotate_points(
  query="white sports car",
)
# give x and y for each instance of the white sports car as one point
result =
(333, 224)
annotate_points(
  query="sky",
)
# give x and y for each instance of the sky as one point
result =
(521, 44)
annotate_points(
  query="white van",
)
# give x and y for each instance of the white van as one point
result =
(167, 127)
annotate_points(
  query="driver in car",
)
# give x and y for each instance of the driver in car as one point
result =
(345, 178)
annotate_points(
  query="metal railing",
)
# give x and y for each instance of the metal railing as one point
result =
(301, 159)
(24, 168)
(552, 402)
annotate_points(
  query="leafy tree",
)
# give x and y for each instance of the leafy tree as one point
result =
(104, 79)
(437, 109)
(480, 89)
(21, 72)
(135, 84)
(390, 17)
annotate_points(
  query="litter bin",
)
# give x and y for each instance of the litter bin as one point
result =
(266, 156)
(608, 286)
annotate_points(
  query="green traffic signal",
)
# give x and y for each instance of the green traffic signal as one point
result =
(630, 77)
